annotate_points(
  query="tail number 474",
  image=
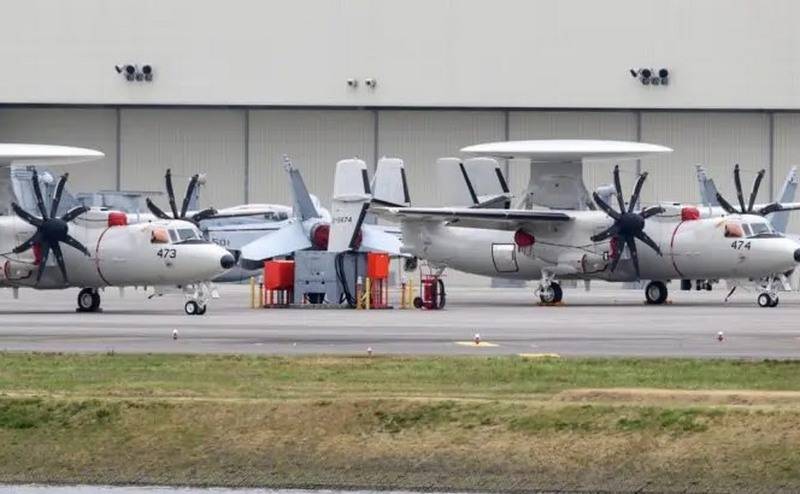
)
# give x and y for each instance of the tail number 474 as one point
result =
(740, 244)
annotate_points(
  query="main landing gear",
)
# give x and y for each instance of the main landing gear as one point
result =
(88, 300)
(549, 290)
(768, 299)
(655, 292)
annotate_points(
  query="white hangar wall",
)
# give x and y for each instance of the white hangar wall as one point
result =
(723, 54)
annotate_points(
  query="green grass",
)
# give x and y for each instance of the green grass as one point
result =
(426, 423)
(281, 377)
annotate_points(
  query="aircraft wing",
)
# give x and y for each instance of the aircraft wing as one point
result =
(493, 219)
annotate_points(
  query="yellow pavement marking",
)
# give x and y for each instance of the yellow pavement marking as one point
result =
(472, 343)
(539, 355)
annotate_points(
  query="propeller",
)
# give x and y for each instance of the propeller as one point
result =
(628, 225)
(51, 230)
(748, 208)
(182, 214)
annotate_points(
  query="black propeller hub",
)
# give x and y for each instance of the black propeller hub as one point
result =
(630, 224)
(54, 230)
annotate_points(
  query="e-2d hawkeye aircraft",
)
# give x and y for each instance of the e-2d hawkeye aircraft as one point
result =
(657, 243)
(92, 248)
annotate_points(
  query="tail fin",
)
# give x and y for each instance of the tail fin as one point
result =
(708, 191)
(351, 197)
(303, 204)
(488, 182)
(389, 186)
(780, 220)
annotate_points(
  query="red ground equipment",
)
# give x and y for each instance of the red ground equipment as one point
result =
(432, 294)
(378, 273)
(278, 282)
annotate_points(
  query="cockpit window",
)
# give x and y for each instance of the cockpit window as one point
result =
(733, 230)
(760, 229)
(173, 235)
(187, 234)
(159, 236)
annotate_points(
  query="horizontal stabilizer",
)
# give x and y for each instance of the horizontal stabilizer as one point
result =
(377, 239)
(283, 242)
(389, 186)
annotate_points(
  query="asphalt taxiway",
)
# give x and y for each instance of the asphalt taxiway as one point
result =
(603, 322)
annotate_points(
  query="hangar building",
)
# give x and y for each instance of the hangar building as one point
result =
(236, 84)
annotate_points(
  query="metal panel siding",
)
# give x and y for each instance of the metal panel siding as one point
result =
(787, 154)
(716, 140)
(572, 125)
(420, 137)
(314, 140)
(91, 128)
(188, 142)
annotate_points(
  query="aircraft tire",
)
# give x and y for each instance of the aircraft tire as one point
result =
(202, 310)
(191, 308)
(775, 301)
(88, 300)
(655, 293)
(552, 294)
(764, 300)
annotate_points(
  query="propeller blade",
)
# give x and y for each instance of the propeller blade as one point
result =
(70, 240)
(605, 207)
(37, 191)
(725, 204)
(608, 232)
(631, 242)
(188, 196)
(637, 189)
(60, 261)
(754, 192)
(57, 197)
(171, 194)
(74, 213)
(618, 187)
(43, 262)
(156, 210)
(737, 179)
(26, 216)
(26, 244)
(651, 211)
(770, 208)
(204, 215)
(645, 238)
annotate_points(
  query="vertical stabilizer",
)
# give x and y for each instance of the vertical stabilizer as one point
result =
(708, 190)
(780, 220)
(389, 186)
(303, 204)
(488, 182)
(351, 198)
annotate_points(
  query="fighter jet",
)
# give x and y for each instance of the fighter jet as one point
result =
(96, 248)
(590, 239)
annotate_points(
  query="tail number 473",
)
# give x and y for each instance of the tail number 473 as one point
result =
(740, 244)
(166, 253)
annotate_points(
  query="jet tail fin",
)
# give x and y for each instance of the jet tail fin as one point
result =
(780, 220)
(389, 186)
(708, 190)
(303, 204)
(351, 197)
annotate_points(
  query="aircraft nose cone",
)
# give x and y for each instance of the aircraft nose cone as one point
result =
(797, 255)
(227, 261)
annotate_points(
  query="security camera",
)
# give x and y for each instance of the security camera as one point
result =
(664, 75)
(634, 73)
(147, 71)
(130, 72)
(352, 82)
(645, 76)
(370, 82)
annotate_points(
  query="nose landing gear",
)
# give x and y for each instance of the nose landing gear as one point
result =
(88, 300)
(767, 299)
(198, 294)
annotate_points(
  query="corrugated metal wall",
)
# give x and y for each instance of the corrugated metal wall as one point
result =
(314, 140)
(188, 142)
(786, 155)
(92, 128)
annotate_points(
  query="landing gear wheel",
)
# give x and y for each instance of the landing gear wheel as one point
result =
(552, 294)
(767, 300)
(88, 300)
(202, 310)
(655, 292)
(192, 308)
